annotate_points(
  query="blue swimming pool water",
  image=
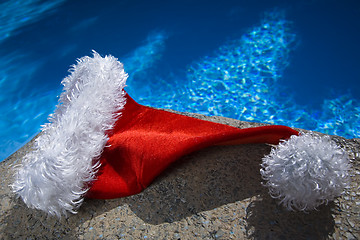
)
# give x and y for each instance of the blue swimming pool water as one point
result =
(282, 62)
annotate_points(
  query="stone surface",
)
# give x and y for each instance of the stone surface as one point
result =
(215, 193)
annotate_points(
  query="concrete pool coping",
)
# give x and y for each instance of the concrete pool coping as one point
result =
(215, 193)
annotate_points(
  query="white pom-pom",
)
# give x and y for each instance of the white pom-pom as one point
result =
(306, 171)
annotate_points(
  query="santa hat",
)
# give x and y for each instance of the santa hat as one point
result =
(101, 144)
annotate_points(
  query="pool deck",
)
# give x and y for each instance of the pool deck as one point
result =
(215, 193)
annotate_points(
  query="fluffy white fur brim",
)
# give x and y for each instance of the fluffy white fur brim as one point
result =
(306, 171)
(55, 175)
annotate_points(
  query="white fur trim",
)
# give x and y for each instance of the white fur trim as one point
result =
(55, 176)
(306, 171)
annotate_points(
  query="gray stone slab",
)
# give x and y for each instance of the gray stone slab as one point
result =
(215, 193)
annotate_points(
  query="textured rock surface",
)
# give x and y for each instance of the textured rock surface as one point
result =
(212, 194)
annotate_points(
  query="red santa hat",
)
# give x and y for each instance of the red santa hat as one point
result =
(100, 143)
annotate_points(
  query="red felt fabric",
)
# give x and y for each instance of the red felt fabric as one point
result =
(145, 141)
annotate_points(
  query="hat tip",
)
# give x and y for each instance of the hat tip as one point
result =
(306, 171)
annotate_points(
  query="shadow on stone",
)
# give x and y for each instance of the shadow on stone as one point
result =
(267, 220)
(200, 182)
